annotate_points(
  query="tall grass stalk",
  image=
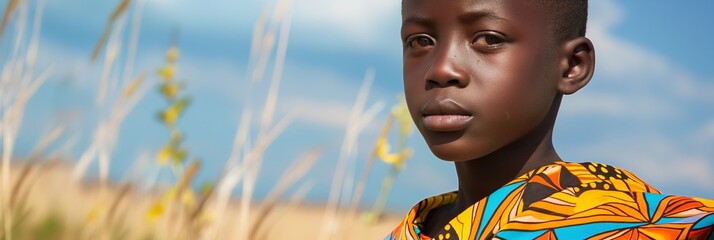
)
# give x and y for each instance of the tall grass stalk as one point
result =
(348, 181)
(20, 29)
(396, 160)
(266, 134)
(19, 86)
(7, 14)
(18, 190)
(118, 94)
(111, 53)
(256, 47)
(240, 139)
(359, 188)
(267, 42)
(47, 140)
(232, 176)
(108, 28)
(107, 130)
(133, 40)
(27, 168)
(355, 125)
(252, 156)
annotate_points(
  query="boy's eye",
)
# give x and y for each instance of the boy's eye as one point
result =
(418, 42)
(488, 41)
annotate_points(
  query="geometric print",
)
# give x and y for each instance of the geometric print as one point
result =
(569, 201)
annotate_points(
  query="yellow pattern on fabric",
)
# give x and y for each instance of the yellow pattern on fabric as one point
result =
(570, 201)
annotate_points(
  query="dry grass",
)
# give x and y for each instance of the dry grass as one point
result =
(53, 200)
(341, 183)
(52, 194)
(18, 84)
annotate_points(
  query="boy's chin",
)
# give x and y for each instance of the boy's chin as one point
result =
(456, 152)
(457, 146)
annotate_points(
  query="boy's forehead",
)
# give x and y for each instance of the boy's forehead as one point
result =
(499, 8)
(520, 14)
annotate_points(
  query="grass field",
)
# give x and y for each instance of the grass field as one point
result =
(53, 199)
(56, 207)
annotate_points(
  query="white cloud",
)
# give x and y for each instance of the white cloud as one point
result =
(206, 13)
(605, 13)
(630, 80)
(362, 22)
(618, 57)
(334, 24)
(645, 90)
(313, 94)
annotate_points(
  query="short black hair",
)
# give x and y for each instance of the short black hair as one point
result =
(567, 18)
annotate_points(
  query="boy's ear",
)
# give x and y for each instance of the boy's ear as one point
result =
(577, 65)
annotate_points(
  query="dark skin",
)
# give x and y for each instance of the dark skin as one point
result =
(483, 81)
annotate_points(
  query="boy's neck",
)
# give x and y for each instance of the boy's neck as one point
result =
(480, 177)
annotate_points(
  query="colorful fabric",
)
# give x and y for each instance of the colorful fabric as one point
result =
(570, 201)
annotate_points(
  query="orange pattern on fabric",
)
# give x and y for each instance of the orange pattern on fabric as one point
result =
(570, 201)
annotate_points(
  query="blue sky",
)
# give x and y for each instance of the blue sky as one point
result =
(649, 108)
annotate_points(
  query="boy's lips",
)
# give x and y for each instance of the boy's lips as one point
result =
(445, 116)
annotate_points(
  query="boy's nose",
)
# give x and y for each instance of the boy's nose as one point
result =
(446, 70)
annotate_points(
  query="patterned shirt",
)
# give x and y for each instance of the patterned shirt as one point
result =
(570, 201)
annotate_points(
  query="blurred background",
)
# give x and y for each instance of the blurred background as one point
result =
(164, 108)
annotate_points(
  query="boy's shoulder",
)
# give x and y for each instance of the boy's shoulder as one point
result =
(573, 200)
(578, 178)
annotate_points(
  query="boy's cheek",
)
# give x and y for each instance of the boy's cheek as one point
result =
(415, 113)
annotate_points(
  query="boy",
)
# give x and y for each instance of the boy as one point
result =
(483, 81)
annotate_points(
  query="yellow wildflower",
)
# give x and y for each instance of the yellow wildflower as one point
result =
(171, 115)
(172, 54)
(170, 90)
(174, 111)
(155, 211)
(382, 148)
(400, 114)
(164, 155)
(167, 72)
(382, 151)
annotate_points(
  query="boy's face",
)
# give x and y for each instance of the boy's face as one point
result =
(478, 75)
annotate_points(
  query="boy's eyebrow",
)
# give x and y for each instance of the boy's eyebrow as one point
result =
(466, 18)
(418, 20)
(470, 17)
